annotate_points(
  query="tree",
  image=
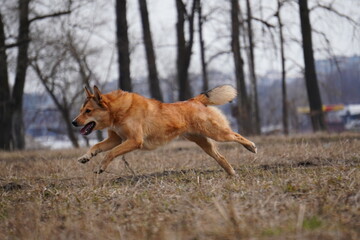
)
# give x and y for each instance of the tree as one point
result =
(243, 107)
(283, 70)
(21, 67)
(5, 96)
(12, 101)
(202, 47)
(312, 87)
(184, 47)
(61, 102)
(253, 80)
(123, 45)
(60, 61)
(150, 54)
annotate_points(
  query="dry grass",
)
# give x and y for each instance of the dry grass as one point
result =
(303, 187)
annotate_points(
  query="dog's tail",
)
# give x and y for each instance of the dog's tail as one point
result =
(217, 96)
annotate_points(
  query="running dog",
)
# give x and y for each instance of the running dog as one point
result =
(136, 122)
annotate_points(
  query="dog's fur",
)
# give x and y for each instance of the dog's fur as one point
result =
(135, 122)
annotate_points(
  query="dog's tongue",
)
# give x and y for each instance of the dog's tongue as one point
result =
(88, 128)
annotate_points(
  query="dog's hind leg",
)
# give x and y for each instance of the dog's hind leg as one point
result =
(217, 128)
(249, 145)
(208, 146)
(235, 137)
(224, 134)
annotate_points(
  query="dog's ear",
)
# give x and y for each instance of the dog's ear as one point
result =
(97, 94)
(88, 93)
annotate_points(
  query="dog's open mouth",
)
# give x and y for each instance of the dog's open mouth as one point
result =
(87, 129)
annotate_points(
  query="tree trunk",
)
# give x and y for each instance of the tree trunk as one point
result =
(184, 48)
(5, 97)
(69, 127)
(150, 54)
(283, 73)
(65, 113)
(255, 104)
(316, 113)
(123, 46)
(21, 67)
(202, 48)
(99, 135)
(243, 108)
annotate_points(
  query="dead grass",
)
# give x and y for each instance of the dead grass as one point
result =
(302, 187)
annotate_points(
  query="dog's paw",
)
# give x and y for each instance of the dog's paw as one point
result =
(251, 147)
(99, 171)
(231, 173)
(84, 159)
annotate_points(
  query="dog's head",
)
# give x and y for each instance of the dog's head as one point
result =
(94, 113)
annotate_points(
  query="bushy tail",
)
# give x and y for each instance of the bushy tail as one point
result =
(217, 96)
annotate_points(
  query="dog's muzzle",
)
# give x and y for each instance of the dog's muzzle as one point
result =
(74, 123)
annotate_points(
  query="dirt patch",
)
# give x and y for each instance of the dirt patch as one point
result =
(11, 186)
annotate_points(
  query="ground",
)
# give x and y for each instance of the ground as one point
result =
(299, 187)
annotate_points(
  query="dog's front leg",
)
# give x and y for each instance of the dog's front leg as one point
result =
(88, 155)
(105, 145)
(125, 147)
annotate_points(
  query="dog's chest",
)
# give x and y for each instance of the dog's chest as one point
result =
(119, 132)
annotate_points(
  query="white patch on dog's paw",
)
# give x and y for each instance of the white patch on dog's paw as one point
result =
(255, 148)
(251, 147)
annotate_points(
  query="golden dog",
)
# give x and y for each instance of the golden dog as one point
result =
(136, 122)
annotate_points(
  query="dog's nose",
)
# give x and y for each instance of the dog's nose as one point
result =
(74, 123)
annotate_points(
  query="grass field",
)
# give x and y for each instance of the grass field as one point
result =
(300, 187)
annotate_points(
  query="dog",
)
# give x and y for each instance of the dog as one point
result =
(136, 122)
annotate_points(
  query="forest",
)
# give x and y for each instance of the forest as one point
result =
(57, 49)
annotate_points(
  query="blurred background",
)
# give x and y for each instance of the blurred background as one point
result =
(295, 63)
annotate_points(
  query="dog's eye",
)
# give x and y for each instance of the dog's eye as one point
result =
(87, 110)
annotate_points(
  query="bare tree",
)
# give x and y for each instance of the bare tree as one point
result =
(283, 69)
(150, 54)
(5, 96)
(80, 56)
(123, 46)
(243, 108)
(11, 104)
(60, 101)
(60, 62)
(21, 67)
(253, 79)
(184, 47)
(312, 87)
(201, 21)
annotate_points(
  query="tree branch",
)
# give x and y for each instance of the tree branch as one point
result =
(16, 44)
(57, 14)
(336, 12)
(218, 54)
(269, 25)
